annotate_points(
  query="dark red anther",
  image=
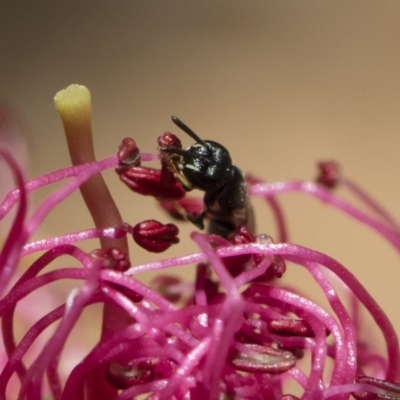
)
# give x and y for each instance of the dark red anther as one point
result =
(391, 390)
(147, 181)
(168, 287)
(128, 154)
(262, 359)
(168, 139)
(275, 270)
(168, 160)
(125, 376)
(328, 174)
(242, 235)
(290, 327)
(155, 236)
(235, 265)
(113, 258)
(277, 267)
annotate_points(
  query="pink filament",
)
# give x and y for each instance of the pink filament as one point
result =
(197, 337)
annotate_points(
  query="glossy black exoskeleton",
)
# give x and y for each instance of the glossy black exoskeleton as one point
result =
(207, 166)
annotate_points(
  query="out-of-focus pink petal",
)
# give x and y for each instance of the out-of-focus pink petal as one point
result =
(13, 140)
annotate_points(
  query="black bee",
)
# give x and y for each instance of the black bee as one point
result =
(207, 166)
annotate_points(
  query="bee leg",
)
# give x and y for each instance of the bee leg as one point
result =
(197, 220)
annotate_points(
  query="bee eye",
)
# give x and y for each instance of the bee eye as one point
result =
(207, 166)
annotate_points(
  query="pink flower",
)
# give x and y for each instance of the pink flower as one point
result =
(233, 333)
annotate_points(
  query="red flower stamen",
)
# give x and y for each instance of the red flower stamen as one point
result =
(128, 154)
(148, 181)
(113, 258)
(155, 236)
(329, 174)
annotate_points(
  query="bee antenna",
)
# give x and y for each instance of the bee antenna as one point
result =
(186, 129)
(175, 150)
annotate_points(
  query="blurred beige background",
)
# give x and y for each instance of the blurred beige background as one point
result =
(282, 84)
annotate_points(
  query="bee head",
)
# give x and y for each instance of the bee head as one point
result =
(205, 165)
